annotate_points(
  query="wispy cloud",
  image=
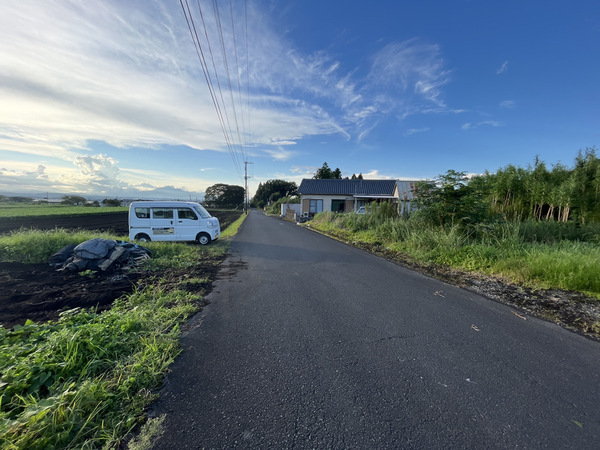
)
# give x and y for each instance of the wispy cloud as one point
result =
(491, 123)
(280, 154)
(412, 131)
(503, 68)
(508, 104)
(126, 74)
(111, 72)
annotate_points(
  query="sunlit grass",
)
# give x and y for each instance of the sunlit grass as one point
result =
(35, 246)
(509, 250)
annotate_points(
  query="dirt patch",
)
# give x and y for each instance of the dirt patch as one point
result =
(572, 310)
(39, 293)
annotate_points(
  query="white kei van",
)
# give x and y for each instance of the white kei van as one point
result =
(172, 221)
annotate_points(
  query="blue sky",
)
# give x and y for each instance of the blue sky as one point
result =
(109, 98)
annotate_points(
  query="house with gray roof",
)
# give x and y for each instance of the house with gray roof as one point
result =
(318, 195)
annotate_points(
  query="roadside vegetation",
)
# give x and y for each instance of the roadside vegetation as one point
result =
(275, 207)
(85, 380)
(533, 226)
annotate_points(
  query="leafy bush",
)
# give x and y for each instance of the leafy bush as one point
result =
(275, 207)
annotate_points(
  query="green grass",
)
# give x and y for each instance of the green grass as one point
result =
(15, 211)
(37, 246)
(535, 255)
(85, 380)
(232, 229)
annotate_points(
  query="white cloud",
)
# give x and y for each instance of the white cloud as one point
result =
(503, 68)
(508, 104)
(112, 72)
(412, 131)
(126, 74)
(375, 175)
(99, 171)
(98, 175)
(415, 68)
(280, 154)
(491, 123)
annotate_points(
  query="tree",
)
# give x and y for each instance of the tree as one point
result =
(224, 196)
(325, 173)
(73, 200)
(111, 202)
(449, 199)
(265, 191)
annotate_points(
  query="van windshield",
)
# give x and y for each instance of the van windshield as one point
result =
(202, 212)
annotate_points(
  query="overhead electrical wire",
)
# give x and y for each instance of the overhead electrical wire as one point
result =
(216, 74)
(236, 149)
(226, 62)
(217, 78)
(239, 82)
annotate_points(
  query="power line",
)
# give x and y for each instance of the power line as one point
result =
(216, 73)
(200, 53)
(224, 54)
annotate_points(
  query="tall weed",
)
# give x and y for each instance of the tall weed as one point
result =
(551, 255)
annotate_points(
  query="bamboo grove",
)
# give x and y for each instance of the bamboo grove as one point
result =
(559, 194)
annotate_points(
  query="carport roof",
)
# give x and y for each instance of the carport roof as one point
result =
(347, 187)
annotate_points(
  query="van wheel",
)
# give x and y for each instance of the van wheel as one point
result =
(203, 238)
(142, 238)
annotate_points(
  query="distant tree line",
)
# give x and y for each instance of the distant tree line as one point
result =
(325, 173)
(272, 190)
(15, 199)
(225, 196)
(70, 200)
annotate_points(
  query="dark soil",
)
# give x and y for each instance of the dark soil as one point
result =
(39, 293)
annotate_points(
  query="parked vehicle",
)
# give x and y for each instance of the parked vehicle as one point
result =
(172, 221)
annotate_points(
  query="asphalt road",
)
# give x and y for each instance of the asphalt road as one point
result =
(309, 343)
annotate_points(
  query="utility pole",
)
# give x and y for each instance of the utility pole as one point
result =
(246, 193)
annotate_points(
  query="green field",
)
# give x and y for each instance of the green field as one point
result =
(22, 210)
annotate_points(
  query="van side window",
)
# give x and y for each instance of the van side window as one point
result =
(142, 213)
(162, 213)
(186, 213)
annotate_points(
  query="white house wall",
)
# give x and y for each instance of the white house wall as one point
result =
(326, 201)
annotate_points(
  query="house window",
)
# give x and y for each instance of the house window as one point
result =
(338, 205)
(316, 206)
